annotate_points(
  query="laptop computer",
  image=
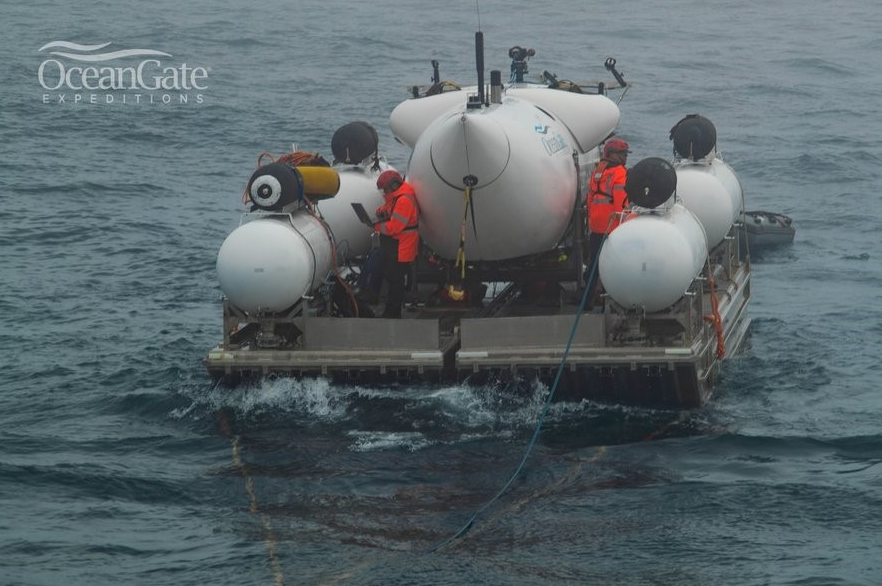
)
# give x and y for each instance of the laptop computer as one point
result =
(363, 215)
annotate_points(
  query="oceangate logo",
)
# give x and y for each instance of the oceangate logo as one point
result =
(554, 143)
(91, 78)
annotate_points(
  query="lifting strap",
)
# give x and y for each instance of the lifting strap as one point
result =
(460, 253)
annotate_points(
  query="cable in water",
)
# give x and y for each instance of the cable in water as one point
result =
(470, 523)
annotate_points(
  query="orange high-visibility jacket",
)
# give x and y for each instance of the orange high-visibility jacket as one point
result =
(606, 196)
(403, 222)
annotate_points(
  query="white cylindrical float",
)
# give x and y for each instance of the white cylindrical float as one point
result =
(712, 191)
(703, 194)
(268, 263)
(358, 184)
(650, 260)
(726, 175)
(695, 143)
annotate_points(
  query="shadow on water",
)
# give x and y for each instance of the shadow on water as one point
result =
(400, 469)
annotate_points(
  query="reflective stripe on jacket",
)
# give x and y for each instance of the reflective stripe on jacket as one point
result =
(606, 196)
(403, 222)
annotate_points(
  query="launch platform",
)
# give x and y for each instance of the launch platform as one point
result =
(499, 173)
(671, 358)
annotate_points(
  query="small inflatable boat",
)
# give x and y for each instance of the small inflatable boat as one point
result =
(766, 229)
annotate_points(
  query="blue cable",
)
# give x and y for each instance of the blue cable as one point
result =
(470, 523)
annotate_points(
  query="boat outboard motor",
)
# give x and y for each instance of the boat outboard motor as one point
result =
(651, 182)
(354, 142)
(694, 137)
(274, 186)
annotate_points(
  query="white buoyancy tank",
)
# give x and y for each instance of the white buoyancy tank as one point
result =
(358, 184)
(711, 190)
(651, 259)
(270, 262)
(726, 175)
(705, 196)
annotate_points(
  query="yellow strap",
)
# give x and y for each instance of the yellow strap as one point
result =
(460, 254)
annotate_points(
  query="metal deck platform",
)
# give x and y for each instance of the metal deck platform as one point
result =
(670, 358)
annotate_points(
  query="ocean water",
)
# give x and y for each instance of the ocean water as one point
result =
(121, 464)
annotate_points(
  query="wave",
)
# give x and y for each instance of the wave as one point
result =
(112, 55)
(98, 57)
(74, 46)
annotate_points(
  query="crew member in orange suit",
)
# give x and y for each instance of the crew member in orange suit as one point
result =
(399, 238)
(606, 198)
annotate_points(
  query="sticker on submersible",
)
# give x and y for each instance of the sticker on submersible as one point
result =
(554, 143)
(83, 74)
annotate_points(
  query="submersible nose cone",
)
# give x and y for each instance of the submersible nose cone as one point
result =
(468, 142)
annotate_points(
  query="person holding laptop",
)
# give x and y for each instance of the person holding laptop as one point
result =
(397, 224)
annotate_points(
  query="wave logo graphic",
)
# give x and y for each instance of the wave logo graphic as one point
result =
(78, 68)
(86, 54)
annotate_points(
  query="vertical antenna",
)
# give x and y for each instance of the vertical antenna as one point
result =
(479, 62)
(478, 10)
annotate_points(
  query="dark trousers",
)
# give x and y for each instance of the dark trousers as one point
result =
(595, 240)
(394, 273)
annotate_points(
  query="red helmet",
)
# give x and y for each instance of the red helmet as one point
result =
(387, 177)
(615, 145)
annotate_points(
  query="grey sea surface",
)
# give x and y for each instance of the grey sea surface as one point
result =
(115, 463)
